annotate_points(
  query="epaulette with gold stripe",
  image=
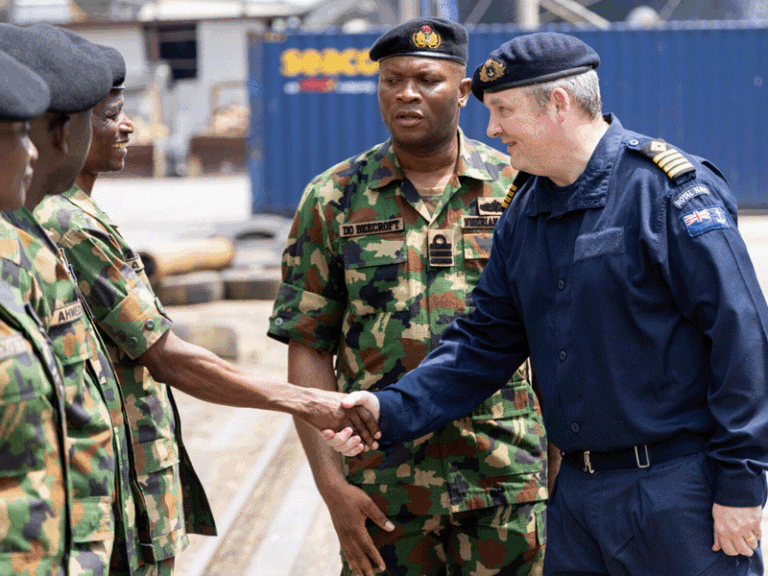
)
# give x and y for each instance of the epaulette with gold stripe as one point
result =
(667, 158)
(520, 179)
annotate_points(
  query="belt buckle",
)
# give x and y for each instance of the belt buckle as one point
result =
(647, 457)
(587, 463)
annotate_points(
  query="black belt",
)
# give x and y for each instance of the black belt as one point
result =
(641, 456)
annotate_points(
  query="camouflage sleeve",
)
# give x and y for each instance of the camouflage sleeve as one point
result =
(122, 305)
(310, 304)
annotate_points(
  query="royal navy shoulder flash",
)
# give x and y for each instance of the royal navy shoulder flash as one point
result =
(669, 159)
(517, 183)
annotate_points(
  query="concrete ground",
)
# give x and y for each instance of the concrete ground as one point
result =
(271, 519)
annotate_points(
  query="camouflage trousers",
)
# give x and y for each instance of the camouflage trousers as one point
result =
(162, 568)
(91, 558)
(499, 541)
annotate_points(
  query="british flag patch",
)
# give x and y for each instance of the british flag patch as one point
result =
(706, 219)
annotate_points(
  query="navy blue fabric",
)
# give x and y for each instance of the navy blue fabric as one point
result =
(650, 522)
(630, 347)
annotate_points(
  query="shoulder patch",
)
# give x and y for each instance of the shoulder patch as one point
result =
(667, 158)
(705, 219)
(689, 194)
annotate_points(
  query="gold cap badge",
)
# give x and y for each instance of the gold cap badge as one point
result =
(491, 71)
(426, 38)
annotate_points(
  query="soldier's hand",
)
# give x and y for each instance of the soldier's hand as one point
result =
(350, 507)
(324, 410)
(737, 530)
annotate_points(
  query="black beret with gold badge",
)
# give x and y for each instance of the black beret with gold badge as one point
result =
(425, 37)
(533, 59)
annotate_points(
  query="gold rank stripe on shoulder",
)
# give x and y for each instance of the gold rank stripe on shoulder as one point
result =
(508, 198)
(13, 346)
(67, 314)
(376, 227)
(673, 163)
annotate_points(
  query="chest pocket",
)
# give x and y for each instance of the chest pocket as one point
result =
(26, 414)
(374, 267)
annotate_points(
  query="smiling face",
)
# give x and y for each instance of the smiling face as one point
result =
(420, 98)
(18, 154)
(529, 133)
(111, 133)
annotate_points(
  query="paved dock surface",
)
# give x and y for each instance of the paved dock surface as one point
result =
(271, 520)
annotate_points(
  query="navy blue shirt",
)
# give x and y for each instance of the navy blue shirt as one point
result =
(635, 297)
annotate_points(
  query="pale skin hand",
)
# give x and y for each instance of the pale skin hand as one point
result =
(737, 530)
(345, 441)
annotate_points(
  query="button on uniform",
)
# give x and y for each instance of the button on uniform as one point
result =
(563, 355)
(149, 324)
(575, 427)
(561, 285)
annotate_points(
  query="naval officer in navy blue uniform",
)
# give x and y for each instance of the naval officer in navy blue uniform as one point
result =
(644, 321)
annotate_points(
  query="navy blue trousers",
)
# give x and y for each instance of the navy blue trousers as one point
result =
(651, 522)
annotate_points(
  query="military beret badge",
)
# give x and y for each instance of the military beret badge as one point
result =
(426, 37)
(491, 70)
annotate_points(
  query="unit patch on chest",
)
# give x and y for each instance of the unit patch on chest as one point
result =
(67, 314)
(440, 248)
(489, 206)
(375, 227)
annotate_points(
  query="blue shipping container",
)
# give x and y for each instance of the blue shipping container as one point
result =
(700, 86)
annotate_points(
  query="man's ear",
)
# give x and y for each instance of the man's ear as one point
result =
(59, 133)
(465, 89)
(561, 99)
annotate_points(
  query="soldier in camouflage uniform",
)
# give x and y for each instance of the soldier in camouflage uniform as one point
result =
(383, 254)
(103, 512)
(146, 353)
(34, 492)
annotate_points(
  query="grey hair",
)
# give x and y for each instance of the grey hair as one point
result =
(584, 89)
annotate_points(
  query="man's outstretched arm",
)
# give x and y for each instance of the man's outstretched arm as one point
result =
(202, 374)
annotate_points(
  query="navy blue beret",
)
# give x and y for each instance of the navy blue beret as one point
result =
(23, 94)
(77, 73)
(533, 59)
(426, 37)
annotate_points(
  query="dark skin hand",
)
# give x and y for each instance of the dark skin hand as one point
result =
(202, 374)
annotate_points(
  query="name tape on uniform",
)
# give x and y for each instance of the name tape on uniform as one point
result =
(479, 221)
(67, 314)
(136, 264)
(375, 227)
(13, 346)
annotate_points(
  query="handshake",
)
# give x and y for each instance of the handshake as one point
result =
(348, 423)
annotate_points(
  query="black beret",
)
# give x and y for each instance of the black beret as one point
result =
(533, 59)
(23, 94)
(77, 73)
(427, 37)
(116, 65)
(114, 59)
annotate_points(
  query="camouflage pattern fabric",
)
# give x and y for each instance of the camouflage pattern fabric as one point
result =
(503, 540)
(103, 511)
(370, 274)
(34, 482)
(131, 319)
